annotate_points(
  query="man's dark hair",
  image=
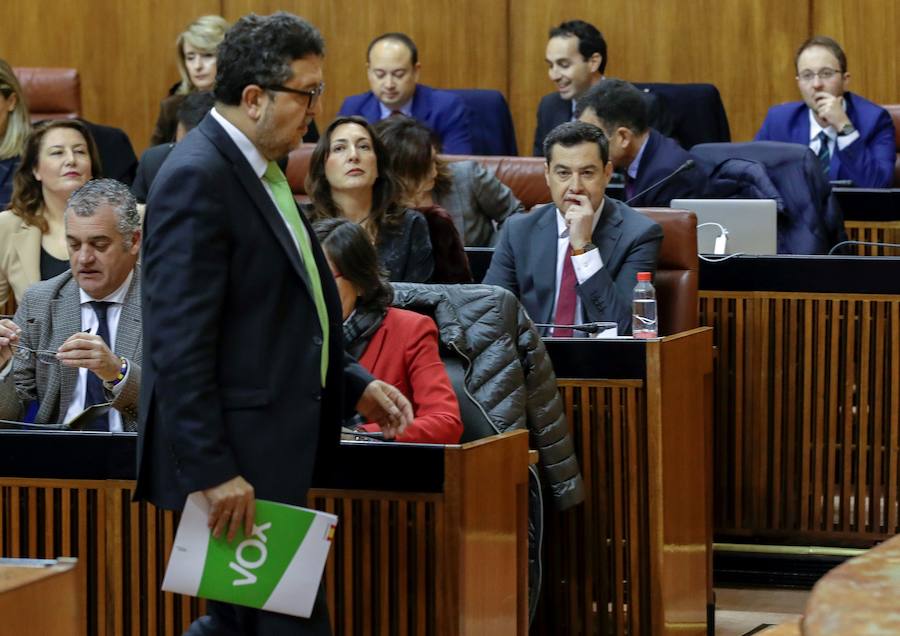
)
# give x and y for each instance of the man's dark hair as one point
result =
(825, 42)
(590, 40)
(410, 149)
(194, 107)
(259, 50)
(617, 103)
(403, 39)
(353, 256)
(573, 133)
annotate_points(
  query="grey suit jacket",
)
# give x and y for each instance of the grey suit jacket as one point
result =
(476, 198)
(50, 312)
(525, 262)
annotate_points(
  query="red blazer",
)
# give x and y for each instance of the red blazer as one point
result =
(404, 352)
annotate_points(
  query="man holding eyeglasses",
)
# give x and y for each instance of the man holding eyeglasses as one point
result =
(75, 340)
(245, 378)
(852, 137)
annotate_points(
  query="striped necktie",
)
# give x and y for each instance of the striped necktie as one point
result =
(824, 155)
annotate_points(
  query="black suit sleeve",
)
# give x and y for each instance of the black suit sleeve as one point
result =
(185, 273)
(605, 298)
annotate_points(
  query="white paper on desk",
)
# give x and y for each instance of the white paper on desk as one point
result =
(277, 568)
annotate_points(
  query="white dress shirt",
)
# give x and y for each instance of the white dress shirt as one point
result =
(585, 265)
(89, 324)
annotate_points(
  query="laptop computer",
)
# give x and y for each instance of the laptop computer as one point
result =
(751, 225)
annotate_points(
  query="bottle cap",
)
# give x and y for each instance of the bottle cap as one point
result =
(644, 277)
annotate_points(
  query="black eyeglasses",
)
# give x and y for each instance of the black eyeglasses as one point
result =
(312, 96)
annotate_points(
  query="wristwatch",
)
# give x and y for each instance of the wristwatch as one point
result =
(587, 247)
(848, 129)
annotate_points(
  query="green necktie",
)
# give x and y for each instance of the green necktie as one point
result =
(288, 208)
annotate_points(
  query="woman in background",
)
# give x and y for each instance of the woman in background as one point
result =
(15, 125)
(59, 157)
(349, 178)
(395, 345)
(196, 54)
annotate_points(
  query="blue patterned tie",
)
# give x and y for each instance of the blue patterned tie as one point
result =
(94, 393)
(823, 154)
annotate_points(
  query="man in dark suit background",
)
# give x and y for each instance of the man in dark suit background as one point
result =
(576, 259)
(644, 155)
(858, 135)
(245, 378)
(576, 60)
(77, 336)
(191, 111)
(392, 67)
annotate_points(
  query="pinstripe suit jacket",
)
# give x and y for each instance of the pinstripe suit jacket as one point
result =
(50, 312)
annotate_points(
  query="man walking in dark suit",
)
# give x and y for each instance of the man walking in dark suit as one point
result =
(644, 155)
(75, 340)
(245, 378)
(576, 259)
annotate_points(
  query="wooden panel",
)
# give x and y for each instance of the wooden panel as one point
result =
(867, 31)
(874, 232)
(461, 43)
(732, 45)
(124, 51)
(806, 431)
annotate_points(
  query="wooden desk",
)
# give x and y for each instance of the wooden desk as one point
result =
(807, 424)
(635, 558)
(871, 215)
(431, 539)
(40, 598)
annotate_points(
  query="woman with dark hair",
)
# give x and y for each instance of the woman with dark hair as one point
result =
(15, 124)
(397, 346)
(473, 197)
(59, 157)
(348, 178)
(411, 159)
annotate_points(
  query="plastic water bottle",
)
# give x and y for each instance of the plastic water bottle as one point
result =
(643, 315)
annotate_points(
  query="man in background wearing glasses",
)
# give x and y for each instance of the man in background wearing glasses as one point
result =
(852, 137)
(75, 340)
(245, 377)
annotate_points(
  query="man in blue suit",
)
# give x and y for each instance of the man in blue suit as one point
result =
(576, 259)
(393, 72)
(852, 137)
(644, 155)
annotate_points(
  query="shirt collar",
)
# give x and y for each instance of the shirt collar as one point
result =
(562, 230)
(257, 162)
(636, 164)
(406, 109)
(117, 296)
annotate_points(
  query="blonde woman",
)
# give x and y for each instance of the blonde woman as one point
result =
(59, 157)
(196, 55)
(14, 127)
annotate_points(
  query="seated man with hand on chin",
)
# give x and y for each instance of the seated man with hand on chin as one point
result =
(75, 340)
(576, 260)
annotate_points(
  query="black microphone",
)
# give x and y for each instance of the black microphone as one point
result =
(687, 165)
(587, 327)
(867, 243)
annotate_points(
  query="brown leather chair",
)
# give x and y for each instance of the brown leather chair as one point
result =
(51, 93)
(297, 169)
(523, 175)
(894, 110)
(677, 273)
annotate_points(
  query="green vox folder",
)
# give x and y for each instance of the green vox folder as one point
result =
(277, 567)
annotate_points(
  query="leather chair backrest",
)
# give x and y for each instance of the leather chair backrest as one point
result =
(677, 270)
(523, 175)
(894, 110)
(51, 93)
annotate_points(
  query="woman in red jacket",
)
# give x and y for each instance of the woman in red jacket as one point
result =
(395, 345)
